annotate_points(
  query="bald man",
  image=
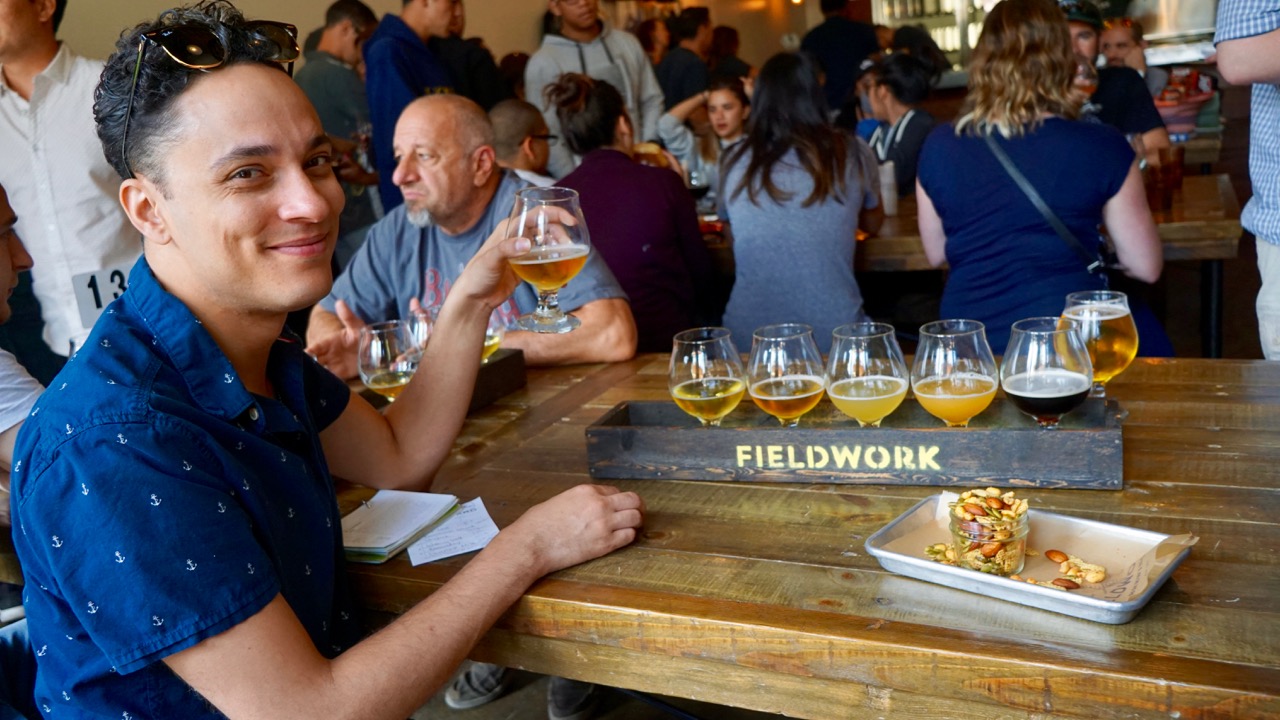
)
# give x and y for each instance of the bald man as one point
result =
(455, 195)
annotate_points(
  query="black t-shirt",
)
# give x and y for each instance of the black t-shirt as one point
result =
(681, 74)
(1124, 102)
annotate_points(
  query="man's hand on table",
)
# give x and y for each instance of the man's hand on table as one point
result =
(577, 525)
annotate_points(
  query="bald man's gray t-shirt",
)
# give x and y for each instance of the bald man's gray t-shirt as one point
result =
(400, 261)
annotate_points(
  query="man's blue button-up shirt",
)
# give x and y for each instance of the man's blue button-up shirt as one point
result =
(157, 503)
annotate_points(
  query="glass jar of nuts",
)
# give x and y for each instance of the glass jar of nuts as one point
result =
(989, 531)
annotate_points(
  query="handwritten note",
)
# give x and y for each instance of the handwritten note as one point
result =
(468, 529)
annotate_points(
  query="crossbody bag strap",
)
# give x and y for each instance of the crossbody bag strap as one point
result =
(1093, 260)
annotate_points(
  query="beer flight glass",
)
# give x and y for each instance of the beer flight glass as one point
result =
(954, 376)
(1046, 370)
(705, 376)
(785, 375)
(867, 376)
(388, 356)
(551, 219)
(493, 334)
(1109, 334)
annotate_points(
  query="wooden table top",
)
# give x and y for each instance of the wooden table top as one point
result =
(1204, 224)
(763, 595)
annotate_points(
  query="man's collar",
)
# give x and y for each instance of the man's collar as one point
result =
(58, 69)
(179, 335)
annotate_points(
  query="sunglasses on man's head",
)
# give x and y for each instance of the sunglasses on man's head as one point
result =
(200, 47)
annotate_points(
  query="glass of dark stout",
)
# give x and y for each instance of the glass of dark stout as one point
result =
(1046, 370)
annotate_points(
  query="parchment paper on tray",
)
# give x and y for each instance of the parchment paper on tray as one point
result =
(1137, 561)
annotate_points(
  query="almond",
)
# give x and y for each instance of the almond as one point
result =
(995, 503)
(1068, 584)
(1056, 555)
(972, 509)
(990, 549)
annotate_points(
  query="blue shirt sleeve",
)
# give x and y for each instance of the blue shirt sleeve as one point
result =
(155, 564)
(367, 285)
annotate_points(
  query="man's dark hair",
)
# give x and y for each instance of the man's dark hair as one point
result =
(513, 121)
(360, 15)
(685, 25)
(160, 82)
(832, 6)
(58, 9)
(908, 77)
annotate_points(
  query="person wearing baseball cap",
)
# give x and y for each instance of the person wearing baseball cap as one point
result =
(1121, 99)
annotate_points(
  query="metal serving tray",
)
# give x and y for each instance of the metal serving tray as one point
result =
(1131, 556)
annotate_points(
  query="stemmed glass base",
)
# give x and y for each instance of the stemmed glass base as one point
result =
(548, 318)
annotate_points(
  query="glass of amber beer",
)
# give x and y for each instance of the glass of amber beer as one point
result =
(867, 377)
(1046, 370)
(1106, 326)
(551, 219)
(785, 376)
(954, 376)
(705, 377)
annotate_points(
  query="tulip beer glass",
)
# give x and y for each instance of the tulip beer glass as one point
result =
(867, 377)
(1046, 370)
(954, 376)
(388, 356)
(785, 375)
(551, 219)
(1106, 326)
(705, 377)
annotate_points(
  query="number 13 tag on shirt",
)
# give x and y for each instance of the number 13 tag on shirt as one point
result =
(95, 290)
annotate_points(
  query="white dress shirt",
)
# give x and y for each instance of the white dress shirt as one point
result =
(65, 195)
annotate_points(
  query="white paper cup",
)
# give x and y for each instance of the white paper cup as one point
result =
(888, 189)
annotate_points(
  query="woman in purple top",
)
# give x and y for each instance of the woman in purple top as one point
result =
(642, 219)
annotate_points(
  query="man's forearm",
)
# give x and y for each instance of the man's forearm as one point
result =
(1251, 60)
(607, 334)
(322, 324)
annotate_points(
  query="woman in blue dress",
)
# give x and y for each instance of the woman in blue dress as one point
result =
(1006, 261)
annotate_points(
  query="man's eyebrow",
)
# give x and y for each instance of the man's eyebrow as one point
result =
(248, 152)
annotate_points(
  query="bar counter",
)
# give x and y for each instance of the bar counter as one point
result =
(763, 596)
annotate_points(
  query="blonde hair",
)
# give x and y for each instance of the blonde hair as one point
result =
(1022, 70)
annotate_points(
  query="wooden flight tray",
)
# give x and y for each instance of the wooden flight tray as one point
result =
(1001, 447)
(502, 375)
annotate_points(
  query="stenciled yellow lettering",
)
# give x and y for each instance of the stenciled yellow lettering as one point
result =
(876, 457)
(902, 458)
(775, 456)
(820, 451)
(744, 455)
(759, 457)
(924, 458)
(791, 458)
(843, 454)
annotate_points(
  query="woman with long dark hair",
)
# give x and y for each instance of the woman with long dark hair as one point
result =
(793, 191)
(1007, 261)
(642, 219)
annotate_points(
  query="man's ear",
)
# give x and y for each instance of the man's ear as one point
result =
(143, 204)
(526, 147)
(45, 10)
(483, 165)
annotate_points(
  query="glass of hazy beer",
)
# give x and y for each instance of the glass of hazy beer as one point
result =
(954, 376)
(388, 357)
(551, 219)
(1106, 326)
(1046, 370)
(867, 376)
(785, 375)
(705, 376)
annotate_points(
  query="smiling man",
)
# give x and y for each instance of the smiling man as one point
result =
(177, 522)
